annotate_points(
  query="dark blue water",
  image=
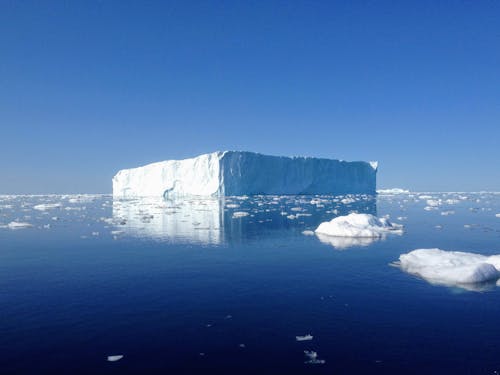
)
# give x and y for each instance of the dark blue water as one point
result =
(183, 287)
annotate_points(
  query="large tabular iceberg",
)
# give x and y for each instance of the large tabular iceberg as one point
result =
(246, 173)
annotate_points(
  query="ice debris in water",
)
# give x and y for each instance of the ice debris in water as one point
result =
(18, 225)
(451, 268)
(307, 337)
(313, 358)
(239, 214)
(358, 225)
(114, 358)
(47, 206)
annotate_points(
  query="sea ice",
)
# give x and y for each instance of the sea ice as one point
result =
(18, 225)
(114, 358)
(450, 267)
(307, 337)
(47, 206)
(313, 358)
(358, 225)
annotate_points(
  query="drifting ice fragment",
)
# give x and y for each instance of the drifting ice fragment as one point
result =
(114, 358)
(313, 358)
(18, 225)
(47, 206)
(307, 337)
(452, 268)
(358, 225)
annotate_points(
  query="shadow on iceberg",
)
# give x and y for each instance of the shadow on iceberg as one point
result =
(215, 221)
(455, 269)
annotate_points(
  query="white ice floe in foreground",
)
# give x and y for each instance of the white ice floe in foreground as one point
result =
(453, 268)
(358, 225)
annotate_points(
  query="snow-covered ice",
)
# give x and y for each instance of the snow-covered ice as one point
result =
(358, 225)
(246, 173)
(450, 267)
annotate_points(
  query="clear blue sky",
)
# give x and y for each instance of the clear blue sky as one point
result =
(91, 87)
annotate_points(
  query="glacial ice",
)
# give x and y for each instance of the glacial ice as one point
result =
(452, 268)
(358, 225)
(245, 173)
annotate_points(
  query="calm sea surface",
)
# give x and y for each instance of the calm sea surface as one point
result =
(225, 286)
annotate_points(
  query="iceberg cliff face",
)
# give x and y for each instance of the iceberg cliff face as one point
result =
(246, 173)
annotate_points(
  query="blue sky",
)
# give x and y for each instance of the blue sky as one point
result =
(88, 88)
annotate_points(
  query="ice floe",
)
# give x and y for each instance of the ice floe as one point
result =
(313, 358)
(114, 358)
(47, 206)
(358, 225)
(452, 268)
(18, 225)
(307, 337)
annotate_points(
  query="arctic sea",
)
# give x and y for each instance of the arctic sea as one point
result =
(225, 286)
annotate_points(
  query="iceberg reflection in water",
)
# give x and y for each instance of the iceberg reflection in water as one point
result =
(213, 221)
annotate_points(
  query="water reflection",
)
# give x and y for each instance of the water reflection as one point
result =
(342, 243)
(233, 219)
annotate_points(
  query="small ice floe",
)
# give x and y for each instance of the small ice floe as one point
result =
(18, 225)
(242, 346)
(358, 225)
(232, 205)
(47, 206)
(447, 213)
(497, 215)
(291, 217)
(239, 214)
(308, 233)
(307, 337)
(392, 191)
(114, 358)
(313, 358)
(95, 234)
(451, 268)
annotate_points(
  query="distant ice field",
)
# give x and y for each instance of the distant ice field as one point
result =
(401, 282)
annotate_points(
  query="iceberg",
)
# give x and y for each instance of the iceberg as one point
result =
(358, 226)
(451, 268)
(231, 173)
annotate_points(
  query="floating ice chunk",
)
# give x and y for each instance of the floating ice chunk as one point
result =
(307, 337)
(114, 358)
(238, 214)
(392, 191)
(450, 267)
(446, 213)
(358, 225)
(497, 215)
(47, 206)
(308, 232)
(18, 225)
(313, 358)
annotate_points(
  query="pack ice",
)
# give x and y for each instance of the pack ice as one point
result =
(246, 173)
